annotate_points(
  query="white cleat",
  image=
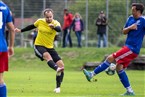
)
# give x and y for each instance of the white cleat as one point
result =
(57, 90)
(60, 69)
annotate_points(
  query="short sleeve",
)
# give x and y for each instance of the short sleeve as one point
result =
(126, 24)
(56, 23)
(143, 22)
(36, 23)
(9, 16)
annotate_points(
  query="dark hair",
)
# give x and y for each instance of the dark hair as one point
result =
(139, 7)
(65, 9)
(47, 10)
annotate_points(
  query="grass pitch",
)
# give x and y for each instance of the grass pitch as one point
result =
(29, 77)
(41, 84)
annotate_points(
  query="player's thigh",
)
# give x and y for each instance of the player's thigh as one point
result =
(54, 55)
(110, 58)
(124, 56)
(39, 51)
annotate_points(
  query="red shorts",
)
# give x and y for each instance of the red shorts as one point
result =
(124, 56)
(3, 61)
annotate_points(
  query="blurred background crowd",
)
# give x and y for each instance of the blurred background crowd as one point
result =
(116, 12)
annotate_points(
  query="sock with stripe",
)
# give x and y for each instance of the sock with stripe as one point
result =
(124, 80)
(52, 65)
(101, 67)
(3, 90)
(59, 79)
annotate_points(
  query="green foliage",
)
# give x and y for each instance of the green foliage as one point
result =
(74, 57)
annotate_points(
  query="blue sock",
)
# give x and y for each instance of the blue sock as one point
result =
(123, 78)
(102, 67)
(3, 90)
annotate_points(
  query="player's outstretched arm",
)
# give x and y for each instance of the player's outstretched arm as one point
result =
(17, 30)
(27, 28)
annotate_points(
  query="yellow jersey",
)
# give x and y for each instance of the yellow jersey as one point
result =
(45, 36)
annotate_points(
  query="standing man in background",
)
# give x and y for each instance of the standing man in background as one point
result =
(5, 20)
(101, 23)
(68, 17)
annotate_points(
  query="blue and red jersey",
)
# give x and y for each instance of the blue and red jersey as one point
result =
(135, 37)
(5, 17)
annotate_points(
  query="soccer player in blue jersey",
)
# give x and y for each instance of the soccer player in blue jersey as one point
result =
(5, 20)
(135, 31)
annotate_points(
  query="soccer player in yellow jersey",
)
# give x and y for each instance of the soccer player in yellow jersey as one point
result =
(43, 45)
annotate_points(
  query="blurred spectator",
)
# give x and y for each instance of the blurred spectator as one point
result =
(78, 27)
(68, 17)
(101, 23)
(32, 37)
(56, 39)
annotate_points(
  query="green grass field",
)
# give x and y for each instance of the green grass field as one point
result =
(30, 77)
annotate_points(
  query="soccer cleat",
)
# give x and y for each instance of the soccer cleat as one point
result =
(128, 94)
(88, 75)
(57, 90)
(59, 69)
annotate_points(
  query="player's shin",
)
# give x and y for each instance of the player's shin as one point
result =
(124, 80)
(102, 67)
(61, 76)
(59, 79)
(3, 90)
(52, 65)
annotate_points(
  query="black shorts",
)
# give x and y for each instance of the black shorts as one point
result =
(39, 50)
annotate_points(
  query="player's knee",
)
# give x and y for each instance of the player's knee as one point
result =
(1, 80)
(47, 56)
(119, 67)
(110, 59)
(60, 64)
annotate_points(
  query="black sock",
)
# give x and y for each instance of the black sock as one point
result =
(61, 76)
(59, 79)
(52, 65)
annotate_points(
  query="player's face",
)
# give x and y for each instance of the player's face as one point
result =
(65, 12)
(134, 12)
(48, 16)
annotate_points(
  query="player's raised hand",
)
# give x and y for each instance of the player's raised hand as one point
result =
(17, 30)
(51, 26)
